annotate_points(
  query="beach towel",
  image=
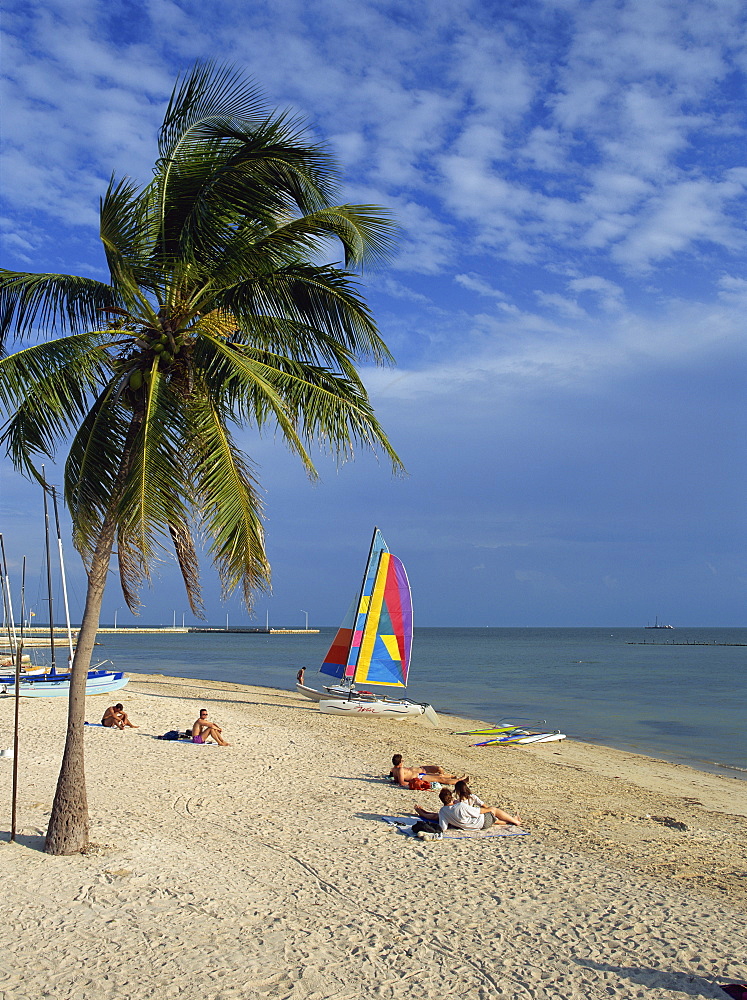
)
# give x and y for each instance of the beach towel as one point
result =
(405, 824)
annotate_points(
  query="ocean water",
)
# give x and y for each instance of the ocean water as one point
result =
(678, 695)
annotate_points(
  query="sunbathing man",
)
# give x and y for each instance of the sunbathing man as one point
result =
(203, 730)
(427, 772)
(466, 811)
(115, 717)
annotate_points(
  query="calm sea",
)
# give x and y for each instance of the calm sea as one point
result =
(679, 695)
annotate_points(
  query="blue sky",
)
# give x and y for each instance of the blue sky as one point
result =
(566, 305)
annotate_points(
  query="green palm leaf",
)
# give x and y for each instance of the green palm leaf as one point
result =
(46, 388)
(229, 502)
(52, 303)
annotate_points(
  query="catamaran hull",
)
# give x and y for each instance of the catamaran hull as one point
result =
(98, 682)
(387, 709)
(313, 695)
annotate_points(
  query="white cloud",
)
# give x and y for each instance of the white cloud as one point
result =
(685, 213)
(609, 294)
(561, 304)
(477, 284)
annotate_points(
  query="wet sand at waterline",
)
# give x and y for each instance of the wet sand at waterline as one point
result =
(263, 870)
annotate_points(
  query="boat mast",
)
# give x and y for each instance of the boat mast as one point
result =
(16, 707)
(49, 582)
(8, 600)
(64, 580)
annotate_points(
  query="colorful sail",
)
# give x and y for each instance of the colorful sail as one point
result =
(386, 639)
(337, 663)
(337, 655)
(374, 642)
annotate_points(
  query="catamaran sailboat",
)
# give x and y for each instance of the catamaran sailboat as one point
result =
(373, 645)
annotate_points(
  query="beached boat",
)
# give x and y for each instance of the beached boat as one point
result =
(332, 691)
(48, 685)
(521, 737)
(374, 643)
(43, 682)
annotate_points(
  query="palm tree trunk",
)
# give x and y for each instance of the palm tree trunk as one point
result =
(67, 832)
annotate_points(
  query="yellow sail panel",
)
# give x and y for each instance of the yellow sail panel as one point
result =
(371, 628)
(390, 641)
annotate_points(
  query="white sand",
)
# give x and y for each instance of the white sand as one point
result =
(263, 870)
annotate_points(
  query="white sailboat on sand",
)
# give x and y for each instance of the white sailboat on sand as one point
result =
(373, 645)
(40, 682)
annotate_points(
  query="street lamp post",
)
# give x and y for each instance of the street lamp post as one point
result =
(307, 618)
(115, 615)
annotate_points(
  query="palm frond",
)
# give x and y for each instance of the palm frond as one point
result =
(51, 303)
(128, 234)
(93, 467)
(186, 556)
(317, 298)
(47, 390)
(254, 178)
(154, 487)
(328, 409)
(365, 232)
(239, 388)
(229, 503)
(224, 318)
(308, 403)
(207, 92)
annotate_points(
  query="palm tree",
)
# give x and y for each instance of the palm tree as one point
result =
(223, 311)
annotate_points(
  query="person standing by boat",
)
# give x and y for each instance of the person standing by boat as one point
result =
(115, 717)
(300, 675)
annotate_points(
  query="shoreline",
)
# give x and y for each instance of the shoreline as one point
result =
(707, 767)
(264, 870)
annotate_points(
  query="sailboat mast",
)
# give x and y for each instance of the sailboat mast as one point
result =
(49, 582)
(64, 580)
(8, 600)
(16, 707)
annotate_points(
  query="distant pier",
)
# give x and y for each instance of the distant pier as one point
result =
(257, 630)
(60, 631)
(692, 642)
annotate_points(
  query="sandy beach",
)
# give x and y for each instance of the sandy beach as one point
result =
(264, 870)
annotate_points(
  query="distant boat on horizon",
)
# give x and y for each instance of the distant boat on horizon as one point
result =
(657, 625)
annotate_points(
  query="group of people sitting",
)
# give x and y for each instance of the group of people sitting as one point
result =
(203, 729)
(460, 808)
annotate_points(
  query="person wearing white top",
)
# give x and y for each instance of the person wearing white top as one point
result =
(466, 811)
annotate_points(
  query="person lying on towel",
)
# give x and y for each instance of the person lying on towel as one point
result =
(426, 772)
(466, 811)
